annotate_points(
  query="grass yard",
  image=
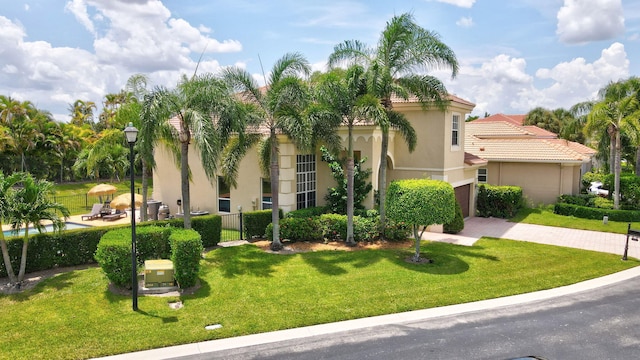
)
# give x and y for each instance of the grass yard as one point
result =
(74, 195)
(546, 216)
(246, 290)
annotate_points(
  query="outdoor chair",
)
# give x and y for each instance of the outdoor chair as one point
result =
(95, 213)
(115, 216)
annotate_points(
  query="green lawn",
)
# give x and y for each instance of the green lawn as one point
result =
(547, 217)
(247, 291)
(74, 195)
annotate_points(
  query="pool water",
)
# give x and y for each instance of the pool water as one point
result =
(47, 228)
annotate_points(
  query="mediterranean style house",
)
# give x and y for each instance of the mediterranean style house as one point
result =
(304, 177)
(527, 156)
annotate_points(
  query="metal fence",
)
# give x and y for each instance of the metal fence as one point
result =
(231, 227)
(80, 203)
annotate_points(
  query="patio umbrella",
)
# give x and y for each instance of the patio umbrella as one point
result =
(123, 201)
(102, 189)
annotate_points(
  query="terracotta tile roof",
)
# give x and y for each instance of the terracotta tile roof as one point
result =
(503, 138)
(471, 159)
(413, 99)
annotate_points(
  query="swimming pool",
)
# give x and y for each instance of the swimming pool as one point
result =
(47, 228)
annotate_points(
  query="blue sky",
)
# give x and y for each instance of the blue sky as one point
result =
(514, 55)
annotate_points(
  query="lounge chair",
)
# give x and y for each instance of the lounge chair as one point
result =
(95, 213)
(115, 216)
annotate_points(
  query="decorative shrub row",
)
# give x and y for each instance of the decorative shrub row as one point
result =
(78, 246)
(254, 223)
(586, 200)
(333, 227)
(50, 250)
(307, 212)
(499, 201)
(584, 212)
(184, 247)
(186, 252)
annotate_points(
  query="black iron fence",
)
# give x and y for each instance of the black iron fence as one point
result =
(231, 227)
(81, 203)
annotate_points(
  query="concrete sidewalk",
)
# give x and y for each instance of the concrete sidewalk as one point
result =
(475, 228)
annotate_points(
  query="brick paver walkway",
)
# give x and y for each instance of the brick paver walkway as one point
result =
(477, 227)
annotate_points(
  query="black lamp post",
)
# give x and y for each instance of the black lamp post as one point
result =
(132, 133)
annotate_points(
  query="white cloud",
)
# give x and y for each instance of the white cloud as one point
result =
(581, 21)
(79, 9)
(502, 84)
(460, 3)
(465, 22)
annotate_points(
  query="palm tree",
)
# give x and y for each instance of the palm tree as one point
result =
(82, 112)
(344, 94)
(29, 205)
(16, 116)
(278, 108)
(6, 196)
(404, 48)
(616, 112)
(206, 114)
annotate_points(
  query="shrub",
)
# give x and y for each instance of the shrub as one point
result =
(396, 231)
(595, 213)
(297, 229)
(152, 242)
(582, 199)
(457, 224)
(186, 252)
(590, 177)
(254, 223)
(114, 256)
(59, 249)
(499, 201)
(337, 196)
(601, 203)
(307, 212)
(334, 227)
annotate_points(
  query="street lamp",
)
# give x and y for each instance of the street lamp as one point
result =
(132, 133)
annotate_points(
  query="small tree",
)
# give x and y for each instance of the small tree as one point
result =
(420, 202)
(29, 205)
(337, 196)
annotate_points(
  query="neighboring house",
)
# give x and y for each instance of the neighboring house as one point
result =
(527, 156)
(304, 178)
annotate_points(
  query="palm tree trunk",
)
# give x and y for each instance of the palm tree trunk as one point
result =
(23, 258)
(612, 149)
(145, 189)
(276, 245)
(382, 177)
(7, 260)
(350, 165)
(184, 182)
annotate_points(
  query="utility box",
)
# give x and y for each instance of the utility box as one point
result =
(158, 273)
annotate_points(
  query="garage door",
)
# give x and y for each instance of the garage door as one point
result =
(462, 196)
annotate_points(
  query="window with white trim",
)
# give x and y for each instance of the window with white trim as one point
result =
(224, 195)
(482, 175)
(305, 181)
(455, 130)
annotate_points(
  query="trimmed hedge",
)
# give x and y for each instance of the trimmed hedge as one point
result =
(334, 227)
(457, 224)
(78, 246)
(186, 252)
(151, 242)
(297, 229)
(584, 212)
(307, 212)
(50, 250)
(114, 256)
(254, 223)
(499, 201)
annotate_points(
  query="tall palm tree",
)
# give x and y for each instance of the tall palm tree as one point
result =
(6, 201)
(206, 114)
(29, 205)
(395, 67)
(82, 112)
(279, 107)
(344, 94)
(616, 112)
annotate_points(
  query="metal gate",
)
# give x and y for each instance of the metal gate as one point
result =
(231, 227)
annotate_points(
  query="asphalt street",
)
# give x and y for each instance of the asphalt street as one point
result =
(597, 324)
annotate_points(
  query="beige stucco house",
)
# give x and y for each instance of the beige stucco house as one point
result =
(532, 158)
(304, 178)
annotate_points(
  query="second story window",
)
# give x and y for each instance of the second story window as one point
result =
(455, 131)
